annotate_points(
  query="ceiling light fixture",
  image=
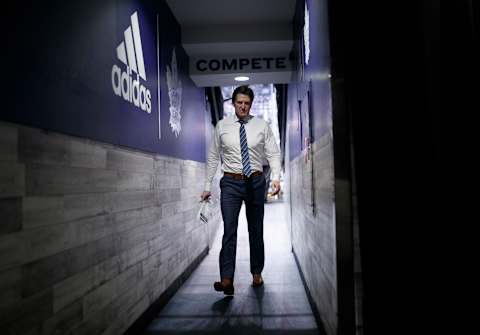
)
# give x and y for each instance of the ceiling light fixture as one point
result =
(242, 78)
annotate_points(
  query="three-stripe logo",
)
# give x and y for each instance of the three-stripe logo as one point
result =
(130, 53)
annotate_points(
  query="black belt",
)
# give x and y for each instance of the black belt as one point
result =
(240, 176)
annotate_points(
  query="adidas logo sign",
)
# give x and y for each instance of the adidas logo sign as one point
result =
(130, 53)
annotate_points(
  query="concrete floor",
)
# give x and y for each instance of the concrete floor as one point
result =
(279, 307)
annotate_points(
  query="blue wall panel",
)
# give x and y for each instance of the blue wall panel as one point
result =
(311, 79)
(58, 61)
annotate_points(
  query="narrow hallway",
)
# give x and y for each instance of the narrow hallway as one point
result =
(279, 307)
(111, 109)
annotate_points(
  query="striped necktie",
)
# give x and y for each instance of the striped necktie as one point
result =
(247, 170)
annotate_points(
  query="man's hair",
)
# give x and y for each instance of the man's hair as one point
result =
(242, 90)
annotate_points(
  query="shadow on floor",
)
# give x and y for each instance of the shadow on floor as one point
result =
(280, 306)
(240, 330)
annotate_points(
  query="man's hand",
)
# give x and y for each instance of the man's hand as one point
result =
(275, 187)
(205, 196)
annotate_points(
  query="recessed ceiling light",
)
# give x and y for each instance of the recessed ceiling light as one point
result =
(242, 78)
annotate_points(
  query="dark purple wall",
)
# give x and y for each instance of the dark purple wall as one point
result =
(309, 95)
(58, 60)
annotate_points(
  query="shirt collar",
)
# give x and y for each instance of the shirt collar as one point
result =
(236, 119)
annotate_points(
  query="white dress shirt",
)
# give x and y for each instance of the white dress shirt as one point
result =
(226, 143)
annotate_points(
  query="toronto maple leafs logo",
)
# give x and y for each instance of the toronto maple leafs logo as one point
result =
(174, 85)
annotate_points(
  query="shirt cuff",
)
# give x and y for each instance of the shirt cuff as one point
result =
(208, 187)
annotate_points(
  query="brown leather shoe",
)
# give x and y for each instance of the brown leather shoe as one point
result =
(257, 280)
(225, 286)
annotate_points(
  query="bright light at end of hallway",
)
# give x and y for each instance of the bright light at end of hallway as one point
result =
(242, 78)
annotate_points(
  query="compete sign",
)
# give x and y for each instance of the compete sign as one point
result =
(239, 64)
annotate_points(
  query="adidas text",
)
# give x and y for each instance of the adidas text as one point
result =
(131, 89)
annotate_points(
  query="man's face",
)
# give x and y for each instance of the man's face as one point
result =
(242, 105)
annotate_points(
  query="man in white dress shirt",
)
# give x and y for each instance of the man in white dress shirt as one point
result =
(244, 142)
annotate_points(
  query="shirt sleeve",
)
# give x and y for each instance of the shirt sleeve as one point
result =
(272, 153)
(213, 158)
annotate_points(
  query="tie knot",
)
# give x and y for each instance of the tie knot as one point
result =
(241, 121)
